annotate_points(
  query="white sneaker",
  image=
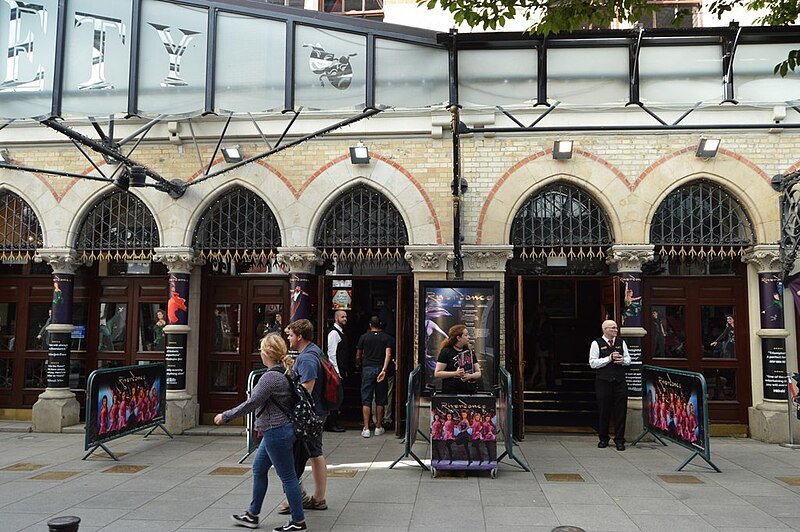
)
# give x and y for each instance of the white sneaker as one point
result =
(379, 431)
(365, 433)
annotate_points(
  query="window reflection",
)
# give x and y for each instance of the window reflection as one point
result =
(152, 320)
(112, 326)
(8, 326)
(39, 316)
(668, 331)
(80, 316)
(6, 372)
(266, 319)
(226, 328)
(106, 364)
(36, 373)
(77, 374)
(223, 376)
(718, 331)
(721, 384)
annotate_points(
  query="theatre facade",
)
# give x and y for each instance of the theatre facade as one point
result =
(180, 178)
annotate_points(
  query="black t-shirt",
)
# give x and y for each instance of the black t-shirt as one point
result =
(374, 344)
(454, 359)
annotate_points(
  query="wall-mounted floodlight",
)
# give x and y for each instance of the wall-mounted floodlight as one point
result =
(707, 148)
(562, 149)
(232, 154)
(137, 176)
(359, 154)
(122, 181)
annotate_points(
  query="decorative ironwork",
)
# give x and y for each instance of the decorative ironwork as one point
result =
(362, 225)
(560, 220)
(701, 221)
(119, 227)
(20, 232)
(790, 222)
(239, 226)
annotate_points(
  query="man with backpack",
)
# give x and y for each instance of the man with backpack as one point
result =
(374, 349)
(308, 367)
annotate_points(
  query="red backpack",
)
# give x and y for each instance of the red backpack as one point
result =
(332, 389)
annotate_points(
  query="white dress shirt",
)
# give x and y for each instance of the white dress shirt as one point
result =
(333, 342)
(594, 355)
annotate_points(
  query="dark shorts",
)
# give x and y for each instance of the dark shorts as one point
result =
(314, 445)
(370, 386)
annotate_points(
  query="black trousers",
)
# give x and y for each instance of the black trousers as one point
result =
(611, 396)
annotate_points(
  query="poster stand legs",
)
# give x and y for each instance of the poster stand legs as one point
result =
(412, 419)
(697, 453)
(644, 432)
(102, 446)
(412, 455)
(517, 460)
(162, 427)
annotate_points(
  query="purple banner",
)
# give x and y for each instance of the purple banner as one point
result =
(794, 288)
(463, 432)
(631, 291)
(299, 298)
(770, 292)
(178, 304)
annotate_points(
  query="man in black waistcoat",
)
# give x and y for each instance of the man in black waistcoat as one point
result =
(608, 355)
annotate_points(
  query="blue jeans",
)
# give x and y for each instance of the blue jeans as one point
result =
(276, 449)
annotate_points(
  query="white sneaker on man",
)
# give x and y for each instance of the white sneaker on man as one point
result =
(379, 431)
(365, 433)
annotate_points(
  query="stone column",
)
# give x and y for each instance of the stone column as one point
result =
(629, 259)
(57, 406)
(301, 263)
(181, 413)
(768, 418)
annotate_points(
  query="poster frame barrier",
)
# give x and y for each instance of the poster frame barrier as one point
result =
(427, 387)
(705, 454)
(412, 417)
(153, 424)
(505, 384)
(252, 440)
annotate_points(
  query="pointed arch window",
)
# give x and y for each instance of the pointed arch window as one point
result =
(560, 220)
(20, 232)
(238, 226)
(119, 227)
(362, 225)
(701, 220)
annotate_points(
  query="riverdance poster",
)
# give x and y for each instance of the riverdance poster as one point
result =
(474, 304)
(674, 406)
(120, 401)
(463, 432)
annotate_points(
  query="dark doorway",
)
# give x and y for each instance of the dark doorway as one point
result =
(561, 316)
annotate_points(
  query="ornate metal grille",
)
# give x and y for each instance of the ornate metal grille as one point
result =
(238, 226)
(790, 222)
(20, 232)
(560, 220)
(362, 225)
(701, 220)
(119, 227)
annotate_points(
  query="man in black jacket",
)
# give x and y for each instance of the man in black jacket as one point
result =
(607, 356)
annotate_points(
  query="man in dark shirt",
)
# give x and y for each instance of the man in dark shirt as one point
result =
(374, 350)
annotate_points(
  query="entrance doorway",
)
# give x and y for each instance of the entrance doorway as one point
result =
(391, 299)
(236, 313)
(559, 318)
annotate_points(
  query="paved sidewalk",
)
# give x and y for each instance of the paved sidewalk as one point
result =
(193, 483)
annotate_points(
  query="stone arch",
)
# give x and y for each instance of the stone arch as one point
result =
(22, 233)
(26, 197)
(604, 183)
(398, 185)
(748, 184)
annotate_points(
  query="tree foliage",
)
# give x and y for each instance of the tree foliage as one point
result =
(555, 16)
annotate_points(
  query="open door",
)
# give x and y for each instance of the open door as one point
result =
(515, 362)
(404, 356)
(611, 307)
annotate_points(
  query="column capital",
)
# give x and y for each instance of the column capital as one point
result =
(63, 260)
(765, 257)
(428, 258)
(299, 260)
(487, 258)
(630, 257)
(177, 259)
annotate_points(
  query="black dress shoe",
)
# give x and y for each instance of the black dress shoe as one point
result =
(335, 428)
(602, 444)
(620, 446)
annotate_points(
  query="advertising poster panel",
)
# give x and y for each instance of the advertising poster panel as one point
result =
(773, 362)
(474, 304)
(675, 408)
(120, 401)
(463, 432)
